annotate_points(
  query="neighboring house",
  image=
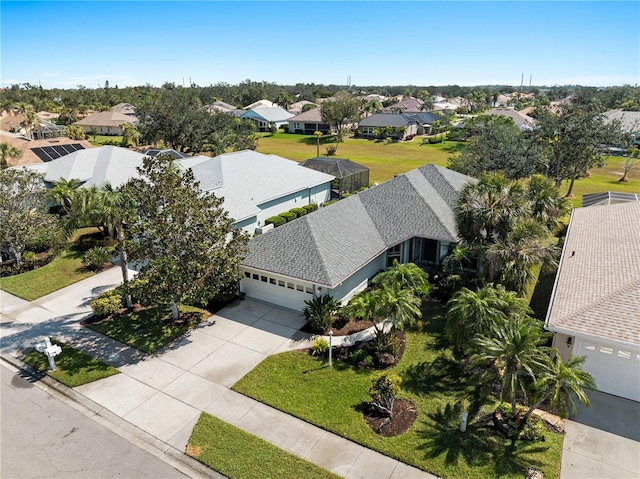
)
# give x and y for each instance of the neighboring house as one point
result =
(412, 123)
(309, 122)
(522, 121)
(445, 106)
(407, 105)
(349, 176)
(106, 123)
(35, 152)
(595, 304)
(265, 117)
(609, 198)
(219, 106)
(629, 121)
(338, 249)
(297, 107)
(254, 186)
(125, 109)
(260, 104)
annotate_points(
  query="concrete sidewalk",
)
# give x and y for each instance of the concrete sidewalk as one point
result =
(164, 394)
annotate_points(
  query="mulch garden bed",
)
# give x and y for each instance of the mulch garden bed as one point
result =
(344, 327)
(404, 415)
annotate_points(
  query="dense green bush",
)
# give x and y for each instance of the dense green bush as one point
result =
(96, 257)
(44, 241)
(288, 216)
(106, 303)
(275, 221)
(29, 257)
(320, 347)
(320, 313)
(310, 207)
(360, 356)
(298, 212)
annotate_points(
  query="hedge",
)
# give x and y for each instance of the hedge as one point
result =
(288, 216)
(275, 221)
(310, 207)
(298, 212)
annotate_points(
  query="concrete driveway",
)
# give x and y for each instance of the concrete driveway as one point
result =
(603, 440)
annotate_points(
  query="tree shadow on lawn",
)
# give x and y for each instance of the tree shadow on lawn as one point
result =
(441, 376)
(479, 446)
(324, 140)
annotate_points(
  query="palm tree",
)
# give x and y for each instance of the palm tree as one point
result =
(401, 306)
(317, 134)
(510, 260)
(30, 121)
(64, 192)
(7, 151)
(486, 210)
(560, 383)
(114, 208)
(548, 206)
(514, 352)
(130, 135)
(365, 306)
(404, 276)
(471, 313)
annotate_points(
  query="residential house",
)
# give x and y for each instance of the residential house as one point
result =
(401, 125)
(406, 105)
(339, 248)
(297, 107)
(595, 304)
(260, 104)
(125, 109)
(254, 186)
(220, 106)
(629, 122)
(106, 123)
(265, 117)
(522, 121)
(40, 150)
(309, 122)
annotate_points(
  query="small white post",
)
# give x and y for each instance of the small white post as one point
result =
(330, 347)
(50, 351)
(463, 423)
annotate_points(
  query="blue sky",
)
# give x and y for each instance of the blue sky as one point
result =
(65, 44)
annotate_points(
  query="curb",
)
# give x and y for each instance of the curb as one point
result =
(169, 454)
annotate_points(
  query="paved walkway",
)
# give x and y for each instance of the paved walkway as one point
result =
(164, 394)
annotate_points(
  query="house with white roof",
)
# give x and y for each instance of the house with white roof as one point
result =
(595, 304)
(339, 248)
(265, 117)
(107, 122)
(254, 186)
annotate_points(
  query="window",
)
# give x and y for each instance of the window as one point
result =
(272, 280)
(296, 126)
(263, 279)
(624, 354)
(605, 350)
(393, 254)
(299, 287)
(255, 276)
(290, 285)
(308, 290)
(247, 274)
(281, 283)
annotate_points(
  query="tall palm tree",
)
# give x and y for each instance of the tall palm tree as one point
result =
(486, 210)
(63, 192)
(30, 121)
(514, 352)
(114, 208)
(510, 260)
(401, 306)
(560, 383)
(7, 151)
(548, 206)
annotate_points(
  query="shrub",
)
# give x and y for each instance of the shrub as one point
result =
(409, 137)
(275, 221)
(320, 347)
(298, 212)
(107, 303)
(331, 150)
(288, 216)
(29, 257)
(320, 312)
(42, 242)
(310, 207)
(96, 257)
(360, 356)
(383, 393)
(330, 202)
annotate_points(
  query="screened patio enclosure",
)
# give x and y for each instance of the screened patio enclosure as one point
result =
(350, 176)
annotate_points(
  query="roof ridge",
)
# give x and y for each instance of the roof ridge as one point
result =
(316, 245)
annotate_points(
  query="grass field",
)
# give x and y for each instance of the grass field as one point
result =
(334, 399)
(74, 367)
(387, 160)
(240, 455)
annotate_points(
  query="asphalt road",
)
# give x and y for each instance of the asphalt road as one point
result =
(42, 437)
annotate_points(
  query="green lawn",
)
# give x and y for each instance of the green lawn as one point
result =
(333, 398)
(240, 455)
(100, 140)
(64, 270)
(74, 367)
(149, 329)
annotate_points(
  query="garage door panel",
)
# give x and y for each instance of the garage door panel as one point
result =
(615, 369)
(287, 295)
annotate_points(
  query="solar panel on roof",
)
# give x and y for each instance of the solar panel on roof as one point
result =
(40, 153)
(48, 153)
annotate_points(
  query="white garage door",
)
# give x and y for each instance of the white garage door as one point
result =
(277, 291)
(616, 370)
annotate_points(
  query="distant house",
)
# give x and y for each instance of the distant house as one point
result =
(297, 107)
(260, 104)
(219, 106)
(338, 249)
(254, 186)
(522, 121)
(309, 122)
(125, 109)
(401, 125)
(106, 123)
(265, 117)
(595, 304)
(629, 121)
(407, 105)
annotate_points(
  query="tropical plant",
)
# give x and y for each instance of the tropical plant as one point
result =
(404, 276)
(548, 207)
(320, 347)
(96, 257)
(320, 312)
(63, 192)
(513, 351)
(7, 151)
(400, 306)
(383, 393)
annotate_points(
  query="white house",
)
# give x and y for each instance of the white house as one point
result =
(107, 122)
(265, 117)
(595, 304)
(338, 249)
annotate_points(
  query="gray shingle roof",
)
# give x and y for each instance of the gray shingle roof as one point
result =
(385, 119)
(331, 244)
(597, 291)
